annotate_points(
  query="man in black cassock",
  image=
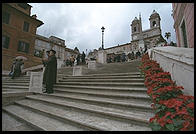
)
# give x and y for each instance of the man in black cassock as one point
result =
(51, 72)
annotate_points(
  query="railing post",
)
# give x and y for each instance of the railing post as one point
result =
(36, 80)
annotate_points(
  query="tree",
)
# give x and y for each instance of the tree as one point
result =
(167, 35)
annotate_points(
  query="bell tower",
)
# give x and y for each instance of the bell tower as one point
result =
(154, 20)
(136, 28)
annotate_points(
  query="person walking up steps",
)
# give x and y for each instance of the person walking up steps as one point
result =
(17, 68)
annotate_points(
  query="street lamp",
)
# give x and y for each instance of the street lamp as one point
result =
(102, 35)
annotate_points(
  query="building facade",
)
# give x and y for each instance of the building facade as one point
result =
(43, 44)
(18, 34)
(119, 49)
(183, 14)
(148, 38)
(69, 52)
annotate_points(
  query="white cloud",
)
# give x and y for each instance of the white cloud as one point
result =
(80, 24)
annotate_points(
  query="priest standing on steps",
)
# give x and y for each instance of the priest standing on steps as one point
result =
(51, 71)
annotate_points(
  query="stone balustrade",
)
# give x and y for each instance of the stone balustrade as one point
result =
(77, 71)
(36, 80)
(179, 62)
(92, 64)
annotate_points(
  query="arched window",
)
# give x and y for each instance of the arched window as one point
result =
(154, 24)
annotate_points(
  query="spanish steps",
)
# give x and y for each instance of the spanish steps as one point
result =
(110, 98)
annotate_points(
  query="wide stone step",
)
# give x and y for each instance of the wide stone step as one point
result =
(119, 84)
(38, 120)
(102, 88)
(93, 119)
(13, 90)
(15, 81)
(16, 78)
(15, 84)
(115, 74)
(104, 77)
(128, 103)
(108, 94)
(102, 80)
(9, 123)
(137, 118)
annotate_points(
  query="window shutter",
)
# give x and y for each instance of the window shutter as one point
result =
(19, 45)
(27, 47)
(7, 41)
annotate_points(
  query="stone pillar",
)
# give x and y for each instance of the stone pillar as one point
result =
(77, 71)
(141, 44)
(28, 73)
(101, 56)
(92, 64)
(36, 82)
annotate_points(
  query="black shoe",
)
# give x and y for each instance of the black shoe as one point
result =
(45, 92)
(50, 92)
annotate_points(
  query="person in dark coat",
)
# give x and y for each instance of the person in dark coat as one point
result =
(51, 72)
(45, 65)
(78, 59)
(123, 57)
(83, 57)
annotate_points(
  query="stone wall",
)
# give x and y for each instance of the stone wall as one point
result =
(179, 62)
(184, 11)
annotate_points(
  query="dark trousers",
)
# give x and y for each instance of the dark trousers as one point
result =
(16, 73)
(49, 87)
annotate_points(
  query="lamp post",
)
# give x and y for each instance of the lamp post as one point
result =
(102, 36)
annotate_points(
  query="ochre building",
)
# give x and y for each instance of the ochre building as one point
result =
(18, 34)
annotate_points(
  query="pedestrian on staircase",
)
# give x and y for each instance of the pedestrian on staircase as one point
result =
(78, 59)
(83, 57)
(51, 72)
(72, 59)
(17, 68)
(12, 68)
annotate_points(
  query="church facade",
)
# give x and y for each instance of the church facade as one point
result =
(148, 38)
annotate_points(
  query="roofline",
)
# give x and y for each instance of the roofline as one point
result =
(118, 46)
(41, 23)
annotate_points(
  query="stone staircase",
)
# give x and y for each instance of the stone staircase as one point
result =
(18, 84)
(93, 102)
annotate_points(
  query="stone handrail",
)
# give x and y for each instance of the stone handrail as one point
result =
(179, 62)
(33, 68)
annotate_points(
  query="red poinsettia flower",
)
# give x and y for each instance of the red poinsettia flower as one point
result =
(190, 105)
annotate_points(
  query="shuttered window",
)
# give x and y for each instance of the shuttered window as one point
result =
(26, 26)
(23, 47)
(5, 41)
(5, 17)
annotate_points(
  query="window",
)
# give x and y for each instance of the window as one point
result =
(26, 26)
(5, 17)
(5, 41)
(23, 47)
(134, 29)
(183, 29)
(154, 23)
(38, 53)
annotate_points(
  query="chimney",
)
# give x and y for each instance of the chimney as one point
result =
(34, 16)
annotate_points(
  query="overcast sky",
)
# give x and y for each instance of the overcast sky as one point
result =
(79, 24)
